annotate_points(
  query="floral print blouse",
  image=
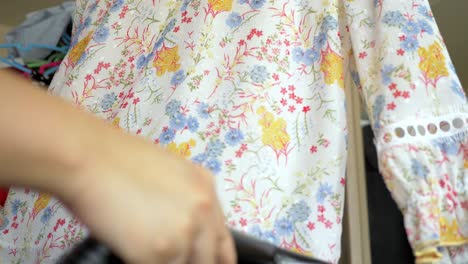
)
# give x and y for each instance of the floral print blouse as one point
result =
(254, 91)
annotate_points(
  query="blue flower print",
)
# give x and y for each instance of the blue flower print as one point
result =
(377, 109)
(116, 5)
(255, 231)
(158, 43)
(101, 34)
(234, 136)
(386, 73)
(242, 1)
(270, 237)
(324, 190)
(284, 227)
(356, 79)
(297, 54)
(108, 101)
(83, 57)
(75, 39)
(215, 148)
(213, 165)
(87, 22)
(199, 158)
(320, 40)
(93, 6)
(257, 4)
(178, 78)
(411, 28)
(4, 224)
(169, 27)
(418, 168)
(46, 215)
(173, 108)
(423, 10)
(393, 18)
(184, 5)
(299, 212)
(167, 136)
(457, 89)
(15, 205)
(259, 74)
(410, 44)
(425, 26)
(310, 56)
(192, 124)
(141, 62)
(203, 111)
(234, 20)
(449, 147)
(178, 121)
(329, 23)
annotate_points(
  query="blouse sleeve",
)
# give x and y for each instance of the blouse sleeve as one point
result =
(418, 112)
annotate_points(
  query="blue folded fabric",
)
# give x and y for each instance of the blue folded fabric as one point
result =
(45, 27)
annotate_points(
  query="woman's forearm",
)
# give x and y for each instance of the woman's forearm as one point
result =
(43, 140)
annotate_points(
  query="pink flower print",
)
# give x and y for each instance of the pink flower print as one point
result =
(321, 208)
(243, 222)
(321, 218)
(343, 181)
(284, 102)
(391, 106)
(313, 149)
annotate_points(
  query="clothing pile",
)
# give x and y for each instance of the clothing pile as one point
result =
(38, 46)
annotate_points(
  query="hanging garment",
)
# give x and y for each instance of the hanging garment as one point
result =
(44, 27)
(254, 91)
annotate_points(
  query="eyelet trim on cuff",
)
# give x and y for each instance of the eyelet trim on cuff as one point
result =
(408, 131)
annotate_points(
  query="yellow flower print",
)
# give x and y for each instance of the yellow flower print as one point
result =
(116, 122)
(167, 60)
(274, 132)
(432, 63)
(182, 149)
(220, 5)
(332, 68)
(41, 202)
(450, 233)
(77, 51)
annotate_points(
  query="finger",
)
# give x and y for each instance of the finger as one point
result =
(203, 251)
(225, 248)
(173, 238)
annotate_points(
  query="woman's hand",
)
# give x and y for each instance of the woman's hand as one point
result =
(150, 206)
(147, 205)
